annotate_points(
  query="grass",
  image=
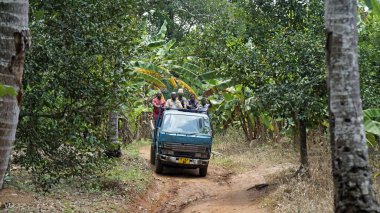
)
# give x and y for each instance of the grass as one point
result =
(314, 194)
(295, 194)
(231, 151)
(288, 193)
(129, 177)
(107, 191)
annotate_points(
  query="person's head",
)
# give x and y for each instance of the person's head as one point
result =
(203, 101)
(180, 92)
(192, 97)
(159, 95)
(173, 95)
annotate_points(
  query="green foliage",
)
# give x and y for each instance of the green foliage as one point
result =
(372, 125)
(160, 68)
(369, 65)
(259, 62)
(374, 6)
(73, 78)
(7, 90)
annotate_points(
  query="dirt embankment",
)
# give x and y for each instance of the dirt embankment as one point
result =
(181, 190)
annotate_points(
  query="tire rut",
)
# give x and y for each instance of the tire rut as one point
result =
(182, 190)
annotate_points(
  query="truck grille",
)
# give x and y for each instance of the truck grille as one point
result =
(179, 147)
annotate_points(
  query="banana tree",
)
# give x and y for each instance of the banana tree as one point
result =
(236, 104)
(372, 125)
(160, 68)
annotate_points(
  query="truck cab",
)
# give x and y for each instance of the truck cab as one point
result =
(181, 138)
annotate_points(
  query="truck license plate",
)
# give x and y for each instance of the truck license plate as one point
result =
(184, 160)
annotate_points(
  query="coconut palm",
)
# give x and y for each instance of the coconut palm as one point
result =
(352, 173)
(14, 39)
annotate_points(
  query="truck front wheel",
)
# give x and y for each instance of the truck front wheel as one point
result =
(159, 168)
(203, 171)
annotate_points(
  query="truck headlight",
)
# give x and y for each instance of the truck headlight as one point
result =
(201, 155)
(167, 152)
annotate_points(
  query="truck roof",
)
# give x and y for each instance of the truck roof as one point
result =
(180, 112)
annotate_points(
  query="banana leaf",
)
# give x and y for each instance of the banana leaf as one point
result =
(209, 75)
(191, 66)
(165, 49)
(152, 80)
(153, 67)
(374, 6)
(371, 123)
(184, 71)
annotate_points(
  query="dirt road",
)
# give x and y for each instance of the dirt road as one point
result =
(181, 190)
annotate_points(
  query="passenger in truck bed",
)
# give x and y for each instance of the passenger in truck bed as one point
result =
(173, 103)
(193, 103)
(204, 106)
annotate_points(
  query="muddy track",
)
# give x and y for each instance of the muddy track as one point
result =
(182, 190)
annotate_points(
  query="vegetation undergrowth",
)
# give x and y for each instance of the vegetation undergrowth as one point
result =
(110, 190)
(313, 194)
(286, 193)
(233, 152)
(296, 194)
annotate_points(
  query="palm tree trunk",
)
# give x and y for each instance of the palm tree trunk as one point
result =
(114, 127)
(14, 39)
(351, 171)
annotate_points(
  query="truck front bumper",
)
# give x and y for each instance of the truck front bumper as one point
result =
(173, 161)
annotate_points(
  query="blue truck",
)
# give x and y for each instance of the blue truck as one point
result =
(181, 138)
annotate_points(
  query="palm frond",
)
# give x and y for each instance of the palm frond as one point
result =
(156, 82)
(186, 86)
(149, 72)
(173, 82)
(152, 67)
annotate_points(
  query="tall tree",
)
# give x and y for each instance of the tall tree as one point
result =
(351, 171)
(14, 39)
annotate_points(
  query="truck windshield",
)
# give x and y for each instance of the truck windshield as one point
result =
(186, 124)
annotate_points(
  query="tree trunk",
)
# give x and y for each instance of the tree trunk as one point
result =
(303, 144)
(113, 127)
(113, 135)
(126, 133)
(351, 171)
(250, 127)
(14, 39)
(244, 125)
(257, 125)
(137, 135)
(145, 124)
(296, 133)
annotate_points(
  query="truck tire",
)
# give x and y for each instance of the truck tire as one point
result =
(152, 154)
(159, 168)
(203, 171)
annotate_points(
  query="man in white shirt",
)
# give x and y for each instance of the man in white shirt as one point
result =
(173, 103)
(204, 106)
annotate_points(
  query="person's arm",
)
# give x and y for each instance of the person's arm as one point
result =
(188, 106)
(196, 105)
